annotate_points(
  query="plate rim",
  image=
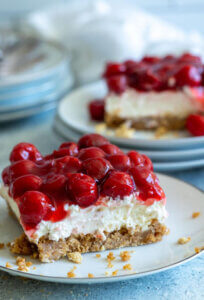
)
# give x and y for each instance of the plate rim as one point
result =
(107, 279)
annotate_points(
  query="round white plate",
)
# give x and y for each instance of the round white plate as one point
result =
(165, 164)
(73, 111)
(182, 200)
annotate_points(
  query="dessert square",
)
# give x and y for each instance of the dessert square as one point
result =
(152, 93)
(82, 197)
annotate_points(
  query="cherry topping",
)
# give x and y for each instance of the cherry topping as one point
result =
(97, 168)
(92, 140)
(114, 69)
(120, 162)
(138, 159)
(24, 151)
(91, 152)
(34, 206)
(188, 75)
(72, 147)
(111, 149)
(146, 183)
(118, 184)
(67, 164)
(6, 175)
(117, 83)
(96, 109)
(53, 183)
(195, 125)
(82, 189)
(21, 168)
(23, 184)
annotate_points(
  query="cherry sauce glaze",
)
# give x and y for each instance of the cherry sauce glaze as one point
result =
(80, 174)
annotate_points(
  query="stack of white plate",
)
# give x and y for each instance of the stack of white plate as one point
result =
(172, 152)
(34, 74)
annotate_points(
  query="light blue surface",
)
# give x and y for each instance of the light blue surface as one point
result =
(184, 282)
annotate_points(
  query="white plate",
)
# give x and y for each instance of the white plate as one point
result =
(73, 111)
(67, 132)
(160, 165)
(182, 200)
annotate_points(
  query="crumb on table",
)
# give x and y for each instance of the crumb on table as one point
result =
(195, 214)
(125, 255)
(75, 257)
(183, 240)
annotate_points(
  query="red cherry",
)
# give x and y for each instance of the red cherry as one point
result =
(82, 189)
(117, 83)
(5, 175)
(189, 58)
(91, 152)
(97, 168)
(72, 147)
(21, 168)
(118, 184)
(96, 109)
(195, 125)
(67, 164)
(138, 159)
(188, 75)
(114, 69)
(24, 151)
(147, 183)
(111, 149)
(54, 183)
(150, 59)
(34, 206)
(23, 184)
(92, 140)
(120, 162)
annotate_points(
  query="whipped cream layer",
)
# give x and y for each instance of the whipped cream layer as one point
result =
(112, 214)
(133, 104)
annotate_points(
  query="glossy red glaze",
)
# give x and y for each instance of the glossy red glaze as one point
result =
(24, 151)
(195, 125)
(43, 188)
(157, 74)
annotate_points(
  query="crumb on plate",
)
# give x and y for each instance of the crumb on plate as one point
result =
(75, 257)
(184, 240)
(8, 265)
(195, 214)
(2, 245)
(90, 275)
(127, 267)
(110, 256)
(199, 249)
(114, 273)
(125, 255)
(110, 265)
(98, 255)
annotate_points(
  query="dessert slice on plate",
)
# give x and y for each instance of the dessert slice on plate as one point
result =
(152, 93)
(83, 197)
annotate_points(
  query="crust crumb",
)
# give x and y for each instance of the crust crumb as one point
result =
(90, 275)
(199, 249)
(2, 245)
(107, 273)
(34, 268)
(114, 273)
(98, 255)
(124, 131)
(28, 263)
(71, 273)
(76, 257)
(167, 231)
(125, 255)
(110, 256)
(101, 127)
(195, 214)
(184, 240)
(22, 264)
(8, 244)
(127, 267)
(160, 132)
(110, 265)
(8, 265)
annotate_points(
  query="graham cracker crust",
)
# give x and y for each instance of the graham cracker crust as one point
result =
(48, 250)
(147, 123)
